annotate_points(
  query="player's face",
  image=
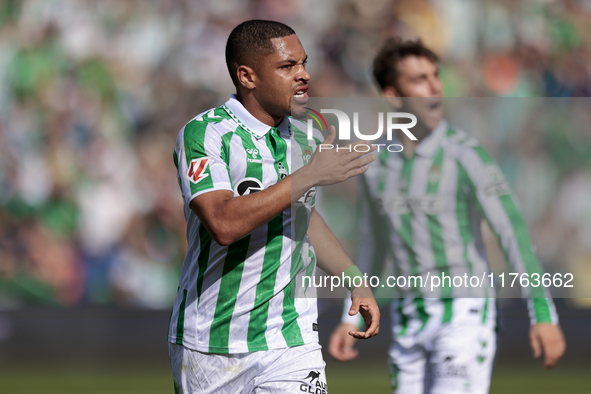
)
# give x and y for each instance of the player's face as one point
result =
(283, 77)
(418, 77)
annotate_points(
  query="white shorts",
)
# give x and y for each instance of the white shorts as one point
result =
(298, 369)
(455, 357)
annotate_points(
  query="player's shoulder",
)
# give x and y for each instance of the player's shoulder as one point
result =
(461, 146)
(300, 128)
(475, 160)
(215, 120)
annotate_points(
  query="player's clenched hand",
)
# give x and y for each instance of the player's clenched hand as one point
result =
(365, 303)
(549, 339)
(328, 166)
(340, 345)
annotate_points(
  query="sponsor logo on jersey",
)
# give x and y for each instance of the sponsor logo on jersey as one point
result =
(197, 168)
(308, 196)
(282, 170)
(450, 369)
(254, 153)
(316, 386)
(400, 205)
(248, 186)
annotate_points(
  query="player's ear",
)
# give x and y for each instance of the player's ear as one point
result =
(392, 96)
(246, 77)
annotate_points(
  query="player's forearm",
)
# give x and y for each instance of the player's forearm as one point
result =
(330, 255)
(517, 246)
(302, 180)
(237, 217)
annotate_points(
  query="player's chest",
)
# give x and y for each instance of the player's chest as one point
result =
(421, 186)
(256, 164)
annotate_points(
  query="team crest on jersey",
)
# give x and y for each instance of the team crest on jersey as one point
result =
(282, 171)
(197, 168)
(403, 184)
(307, 155)
(434, 175)
(248, 186)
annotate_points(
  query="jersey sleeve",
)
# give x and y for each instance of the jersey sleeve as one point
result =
(497, 204)
(201, 157)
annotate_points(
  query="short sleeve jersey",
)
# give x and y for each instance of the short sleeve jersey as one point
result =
(242, 297)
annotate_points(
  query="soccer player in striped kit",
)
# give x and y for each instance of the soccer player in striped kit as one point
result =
(417, 207)
(247, 181)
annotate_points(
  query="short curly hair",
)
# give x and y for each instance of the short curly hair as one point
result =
(250, 41)
(393, 50)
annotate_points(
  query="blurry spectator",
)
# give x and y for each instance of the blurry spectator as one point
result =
(144, 274)
(92, 95)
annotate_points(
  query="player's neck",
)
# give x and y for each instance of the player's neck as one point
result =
(421, 132)
(256, 110)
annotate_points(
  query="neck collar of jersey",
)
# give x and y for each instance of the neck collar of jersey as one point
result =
(428, 146)
(249, 123)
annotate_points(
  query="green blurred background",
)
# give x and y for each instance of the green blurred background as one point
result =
(93, 93)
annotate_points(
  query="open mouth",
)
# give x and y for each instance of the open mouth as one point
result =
(436, 104)
(301, 94)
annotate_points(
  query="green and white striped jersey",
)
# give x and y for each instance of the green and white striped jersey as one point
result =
(240, 298)
(420, 213)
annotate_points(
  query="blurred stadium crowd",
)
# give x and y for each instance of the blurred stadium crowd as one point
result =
(93, 93)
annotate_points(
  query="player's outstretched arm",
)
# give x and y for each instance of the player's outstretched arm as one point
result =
(548, 339)
(499, 207)
(228, 218)
(334, 260)
(369, 253)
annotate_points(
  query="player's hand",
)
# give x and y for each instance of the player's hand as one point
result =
(340, 345)
(328, 166)
(547, 338)
(365, 303)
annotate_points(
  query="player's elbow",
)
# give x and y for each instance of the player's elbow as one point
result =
(222, 239)
(222, 235)
(220, 229)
